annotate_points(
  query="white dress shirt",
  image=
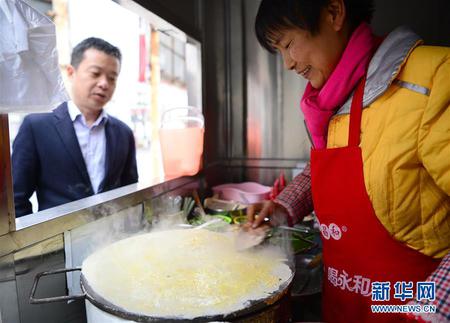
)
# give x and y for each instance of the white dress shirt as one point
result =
(92, 141)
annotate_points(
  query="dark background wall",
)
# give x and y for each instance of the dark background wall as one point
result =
(429, 18)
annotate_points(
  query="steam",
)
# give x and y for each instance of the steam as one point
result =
(160, 214)
(167, 213)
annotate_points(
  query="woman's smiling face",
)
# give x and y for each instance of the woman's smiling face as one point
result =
(314, 56)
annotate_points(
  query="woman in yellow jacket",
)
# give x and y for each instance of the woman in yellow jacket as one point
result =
(377, 111)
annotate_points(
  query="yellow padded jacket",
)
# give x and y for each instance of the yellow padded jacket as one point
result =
(405, 140)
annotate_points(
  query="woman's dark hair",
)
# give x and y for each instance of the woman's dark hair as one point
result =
(275, 15)
(95, 43)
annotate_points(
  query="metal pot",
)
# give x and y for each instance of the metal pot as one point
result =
(273, 308)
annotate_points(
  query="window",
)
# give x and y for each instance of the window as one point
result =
(153, 76)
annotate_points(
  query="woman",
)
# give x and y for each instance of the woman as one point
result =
(377, 113)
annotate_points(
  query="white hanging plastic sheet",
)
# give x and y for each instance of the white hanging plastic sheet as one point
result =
(30, 79)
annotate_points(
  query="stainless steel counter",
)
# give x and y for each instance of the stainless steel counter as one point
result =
(38, 244)
(48, 223)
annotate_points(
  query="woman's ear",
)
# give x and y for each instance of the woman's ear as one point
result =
(336, 14)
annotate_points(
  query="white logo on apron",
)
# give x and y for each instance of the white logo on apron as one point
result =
(325, 232)
(332, 231)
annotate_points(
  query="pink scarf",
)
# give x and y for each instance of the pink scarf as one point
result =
(319, 105)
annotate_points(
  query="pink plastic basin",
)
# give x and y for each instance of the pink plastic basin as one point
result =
(247, 192)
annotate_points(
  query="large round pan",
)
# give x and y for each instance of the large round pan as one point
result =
(97, 300)
(252, 307)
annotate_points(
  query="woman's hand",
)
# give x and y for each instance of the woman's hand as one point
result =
(268, 212)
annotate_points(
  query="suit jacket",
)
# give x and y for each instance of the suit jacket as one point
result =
(47, 159)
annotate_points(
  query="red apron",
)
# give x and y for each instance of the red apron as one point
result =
(357, 249)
